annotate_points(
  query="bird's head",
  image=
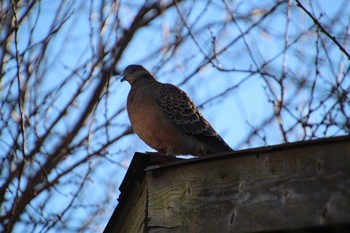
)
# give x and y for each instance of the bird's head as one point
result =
(133, 73)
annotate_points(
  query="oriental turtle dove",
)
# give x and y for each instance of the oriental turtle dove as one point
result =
(166, 119)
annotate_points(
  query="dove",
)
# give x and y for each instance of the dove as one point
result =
(166, 119)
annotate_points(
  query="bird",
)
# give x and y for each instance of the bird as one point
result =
(166, 119)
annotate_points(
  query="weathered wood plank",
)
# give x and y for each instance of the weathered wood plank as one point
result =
(134, 220)
(130, 215)
(286, 189)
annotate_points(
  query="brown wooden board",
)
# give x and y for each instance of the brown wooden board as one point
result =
(296, 187)
(288, 189)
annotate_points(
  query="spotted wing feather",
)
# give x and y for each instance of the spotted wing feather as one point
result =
(180, 109)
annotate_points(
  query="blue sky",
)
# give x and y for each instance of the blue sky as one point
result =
(231, 116)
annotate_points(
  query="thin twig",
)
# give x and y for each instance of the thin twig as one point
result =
(323, 29)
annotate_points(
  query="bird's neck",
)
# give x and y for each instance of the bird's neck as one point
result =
(142, 80)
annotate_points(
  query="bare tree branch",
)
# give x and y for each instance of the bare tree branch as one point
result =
(323, 29)
(258, 72)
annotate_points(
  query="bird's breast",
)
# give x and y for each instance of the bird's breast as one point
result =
(150, 122)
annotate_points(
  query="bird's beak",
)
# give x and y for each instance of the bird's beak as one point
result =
(123, 78)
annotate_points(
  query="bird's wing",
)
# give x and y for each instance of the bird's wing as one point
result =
(185, 115)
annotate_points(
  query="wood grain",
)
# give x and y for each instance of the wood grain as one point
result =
(287, 189)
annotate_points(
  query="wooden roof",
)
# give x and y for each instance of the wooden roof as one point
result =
(302, 185)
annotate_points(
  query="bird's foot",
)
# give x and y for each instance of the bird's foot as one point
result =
(157, 157)
(154, 153)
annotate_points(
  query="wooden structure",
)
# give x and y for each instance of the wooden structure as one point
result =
(295, 187)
